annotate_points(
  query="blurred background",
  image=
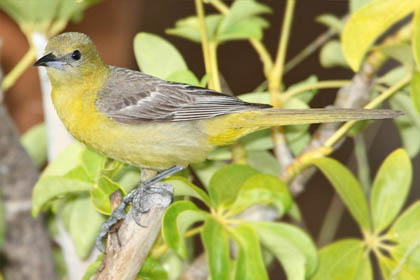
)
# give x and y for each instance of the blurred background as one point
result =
(112, 24)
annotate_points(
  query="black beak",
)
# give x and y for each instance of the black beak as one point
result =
(43, 61)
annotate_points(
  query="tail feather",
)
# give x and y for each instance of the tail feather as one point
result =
(279, 117)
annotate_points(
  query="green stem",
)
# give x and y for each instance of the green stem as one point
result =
(11, 77)
(204, 41)
(276, 74)
(319, 85)
(363, 169)
(331, 222)
(214, 66)
(374, 103)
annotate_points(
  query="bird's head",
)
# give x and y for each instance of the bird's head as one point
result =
(70, 58)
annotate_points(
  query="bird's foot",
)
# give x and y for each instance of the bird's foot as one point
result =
(143, 198)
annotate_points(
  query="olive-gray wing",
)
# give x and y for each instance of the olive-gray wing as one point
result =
(131, 96)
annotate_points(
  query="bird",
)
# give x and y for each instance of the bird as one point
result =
(155, 124)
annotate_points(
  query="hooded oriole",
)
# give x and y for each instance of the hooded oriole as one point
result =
(151, 123)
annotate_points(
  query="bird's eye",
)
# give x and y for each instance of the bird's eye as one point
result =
(76, 55)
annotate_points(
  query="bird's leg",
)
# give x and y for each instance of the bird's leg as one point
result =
(142, 198)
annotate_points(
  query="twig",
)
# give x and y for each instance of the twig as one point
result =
(124, 262)
(17, 71)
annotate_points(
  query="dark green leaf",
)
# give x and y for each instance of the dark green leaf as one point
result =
(348, 188)
(249, 263)
(390, 189)
(85, 223)
(226, 182)
(262, 189)
(156, 56)
(345, 259)
(291, 246)
(177, 219)
(183, 187)
(35, 143)
(153, 270)
(368, 23)
(216, 244)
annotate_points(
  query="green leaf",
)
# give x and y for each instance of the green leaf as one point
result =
(216, 244)
(128, 178)
(183, 186)
(184, 76)
(348, 188)
(53, 187)
(256, 97)
(257, 141)
(100, 194)
(153, 270)
(406, 253)
(262, 189)
(189, 28)
(409, 124)
(226, 183)
(331, 21)
(177, 219)
(249, 263)
(92, 162)
(331, 55)
(390, 189)
(344, 260)
(400, 52)
(368, 23)
(91, 270)
(298, 144)
(35, 143)
(306, 96)
(251, 28)
(156, 56)
(415, 89)
(393, 76)
(241, 10)
(206, 169)
(292, 247)
(85, 223)
(66, 161)
(264, 162)
(416, 37)
(356, 4)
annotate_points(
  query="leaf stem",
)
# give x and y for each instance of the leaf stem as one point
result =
(11, 77)
(363, 169)
(319, 85)
(277, 72)
(204, 41)
(214, 66)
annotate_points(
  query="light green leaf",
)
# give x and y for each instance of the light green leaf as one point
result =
(348, 188)
(344, 260)
(216, 244)
(409, 124)
(264, 162)
(184, 76)
(416, 37)
(183, 187)
(306, 96)
(53, 187)
(128, 178)
(156, 56)
(415, 89)
(356, 4)
(206, 169)
(189, 28)
(226, 183)
(390, 189)
(92, 162)
(241, 10)
(292, 247)
(85, 223)
(251, 28)
(406, 253)
(401, 53)
(35, 143)
(152, 270)
(256, 97)
(91, 270)
(65, 162)
(331, 21)
(100, 194)
(298, 144)
(262, 189)
(368, 23)
(249, 263)
(393, 76)
(331, 55)
(177, 219)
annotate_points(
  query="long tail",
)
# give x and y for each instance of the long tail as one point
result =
(277, 117)
(226, 129)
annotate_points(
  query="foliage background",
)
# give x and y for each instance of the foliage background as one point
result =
(113, 23)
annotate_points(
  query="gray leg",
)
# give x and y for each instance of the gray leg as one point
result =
(140, 196)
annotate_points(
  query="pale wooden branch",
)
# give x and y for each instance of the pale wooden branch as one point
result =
(128, 249)
(27, 248)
